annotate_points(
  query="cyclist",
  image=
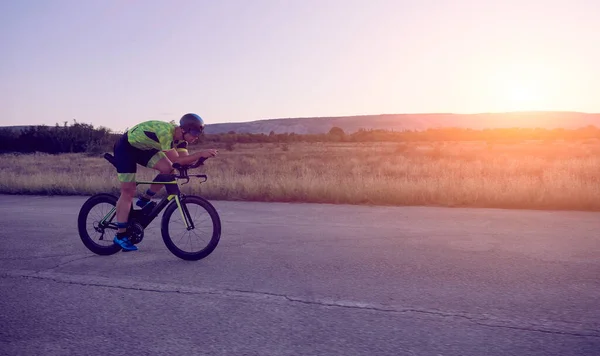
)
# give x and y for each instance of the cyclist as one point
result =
(157, 145)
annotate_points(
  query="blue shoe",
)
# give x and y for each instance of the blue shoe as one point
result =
(125, 244)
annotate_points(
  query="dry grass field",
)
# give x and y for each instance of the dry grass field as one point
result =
(526, 175)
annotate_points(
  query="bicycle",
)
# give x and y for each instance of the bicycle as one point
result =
(139, 219)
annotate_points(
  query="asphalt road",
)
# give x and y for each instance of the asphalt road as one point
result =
(306, 279)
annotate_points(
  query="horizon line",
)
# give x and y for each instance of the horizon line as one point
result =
(418, 113)
(359, 115)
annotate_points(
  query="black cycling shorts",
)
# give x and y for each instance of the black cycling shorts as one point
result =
(128, 157)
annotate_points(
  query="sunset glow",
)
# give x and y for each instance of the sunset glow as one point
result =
(115, 63)
(521, 95)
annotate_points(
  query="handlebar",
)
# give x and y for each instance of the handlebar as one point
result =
(199, 162)
(183, 170)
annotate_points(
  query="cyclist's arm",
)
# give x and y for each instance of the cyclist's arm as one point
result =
(170, 149)
(184, 158)
(181, 148)
(178, 153)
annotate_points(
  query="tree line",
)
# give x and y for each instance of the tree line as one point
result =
(81, 137)
(78, 137)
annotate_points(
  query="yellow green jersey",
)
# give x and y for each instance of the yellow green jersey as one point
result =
(155, 135)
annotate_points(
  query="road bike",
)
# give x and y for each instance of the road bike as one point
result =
(190, 225)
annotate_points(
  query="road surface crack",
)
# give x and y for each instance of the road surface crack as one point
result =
(482, 320)
(63, 263)
(34, 257)
(476, 320)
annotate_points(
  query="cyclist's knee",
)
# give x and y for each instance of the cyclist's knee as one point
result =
(166, 170)
(164, 166)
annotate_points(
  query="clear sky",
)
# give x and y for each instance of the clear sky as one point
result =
(115, 63)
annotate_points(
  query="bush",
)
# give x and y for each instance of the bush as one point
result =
(76, 138)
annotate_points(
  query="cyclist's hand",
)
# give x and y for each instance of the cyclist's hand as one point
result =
(209, 153)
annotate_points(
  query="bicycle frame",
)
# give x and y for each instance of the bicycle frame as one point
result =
(145, 219)
(93, 214)
(172, 188)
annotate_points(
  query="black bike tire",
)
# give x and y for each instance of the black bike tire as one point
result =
(82, 224)
(216, 236)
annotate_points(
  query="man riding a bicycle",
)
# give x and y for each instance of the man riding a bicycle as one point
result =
(157, 145)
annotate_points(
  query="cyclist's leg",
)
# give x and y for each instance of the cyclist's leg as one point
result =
(164, 166)
(123, 207)
(124, 203)
(126, 168)
(159, 162)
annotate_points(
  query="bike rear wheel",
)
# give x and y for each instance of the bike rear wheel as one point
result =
(194, 243)
(97, 224)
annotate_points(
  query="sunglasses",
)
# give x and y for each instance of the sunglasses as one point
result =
(195, 133)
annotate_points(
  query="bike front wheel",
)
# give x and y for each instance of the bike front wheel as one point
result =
(192, 232)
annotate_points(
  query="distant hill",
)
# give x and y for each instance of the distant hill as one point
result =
(399, 122)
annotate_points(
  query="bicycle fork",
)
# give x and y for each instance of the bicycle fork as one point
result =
(185, 213)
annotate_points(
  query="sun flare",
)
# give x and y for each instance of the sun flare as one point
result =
(521, 95)
(523, 86)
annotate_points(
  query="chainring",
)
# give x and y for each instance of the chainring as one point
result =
(136, 232)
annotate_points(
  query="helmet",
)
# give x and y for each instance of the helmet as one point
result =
(192, 123)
